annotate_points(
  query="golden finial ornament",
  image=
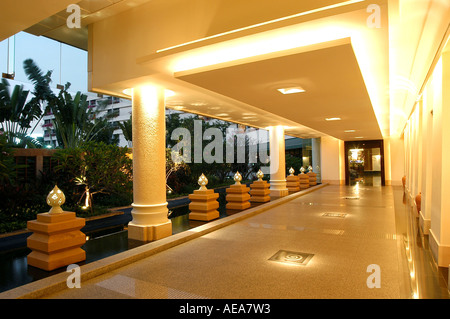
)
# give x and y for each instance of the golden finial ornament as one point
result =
(310, 169)
(291, 171)
(55, 199)
(237, 178)
(260, 175)
(302, 169)
(202, 181)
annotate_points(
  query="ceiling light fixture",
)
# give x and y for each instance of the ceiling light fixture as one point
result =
(291, 90)
(333, 119)
(349, 131)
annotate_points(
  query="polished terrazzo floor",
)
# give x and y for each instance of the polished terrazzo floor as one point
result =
(234, 262)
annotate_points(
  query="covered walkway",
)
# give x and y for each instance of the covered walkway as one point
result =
(234, 262)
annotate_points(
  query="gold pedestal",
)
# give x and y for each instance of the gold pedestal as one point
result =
(56, 240)
(204, 205)
(293, 183)
(304, 181)
(259, 192)
(312, 178)
(238, 197)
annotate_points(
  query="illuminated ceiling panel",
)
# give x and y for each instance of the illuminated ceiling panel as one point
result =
(331, 78)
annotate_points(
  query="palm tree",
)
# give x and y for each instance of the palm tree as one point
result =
(126, 127)
(75, 122)
(19, 108)
(16, 113)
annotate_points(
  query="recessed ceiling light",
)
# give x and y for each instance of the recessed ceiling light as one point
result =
(291, 90)
(349, 131)
(333, 119)
(359, 136)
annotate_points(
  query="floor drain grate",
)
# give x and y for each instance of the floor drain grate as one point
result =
(338, 215)
(291, 257)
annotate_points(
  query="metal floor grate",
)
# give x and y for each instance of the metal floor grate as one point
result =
(338, 215)
(291, 257)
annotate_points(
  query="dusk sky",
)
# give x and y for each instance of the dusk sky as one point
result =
(69, 64)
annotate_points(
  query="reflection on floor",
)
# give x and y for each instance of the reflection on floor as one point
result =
(367, 179)
(424, 279)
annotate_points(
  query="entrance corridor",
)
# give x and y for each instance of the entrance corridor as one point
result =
(234, 262)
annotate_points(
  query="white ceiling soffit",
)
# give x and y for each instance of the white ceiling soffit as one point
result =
(329, 74)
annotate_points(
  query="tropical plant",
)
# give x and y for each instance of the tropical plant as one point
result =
(7, 164)
(126, 127)
(94, 169)
(16, 113)
(76, 122)
(19, 108)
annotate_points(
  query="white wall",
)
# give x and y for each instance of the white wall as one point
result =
(427, 164)
(332, 160)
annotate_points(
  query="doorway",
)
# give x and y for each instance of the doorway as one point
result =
(364, 163)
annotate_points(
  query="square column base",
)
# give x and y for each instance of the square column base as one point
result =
(57, 260)
(204, 205)
(312, 178)
(149, 232)
(279, 192)
(293, 183)
(237, 197)
(56, 240)
(259, 192)
(303, 181)
(204, 216)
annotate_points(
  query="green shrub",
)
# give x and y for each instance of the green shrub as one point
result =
(105, 171)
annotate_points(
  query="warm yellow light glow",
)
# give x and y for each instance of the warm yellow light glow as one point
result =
(333, 119)
(150, 97)
(168, 93)
(291, 90)
(256, 45)
(349, 131)
(355, 153)
(263, 23)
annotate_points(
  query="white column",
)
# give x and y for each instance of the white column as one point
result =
(316, 158)
(277, 162)
(149, 212)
